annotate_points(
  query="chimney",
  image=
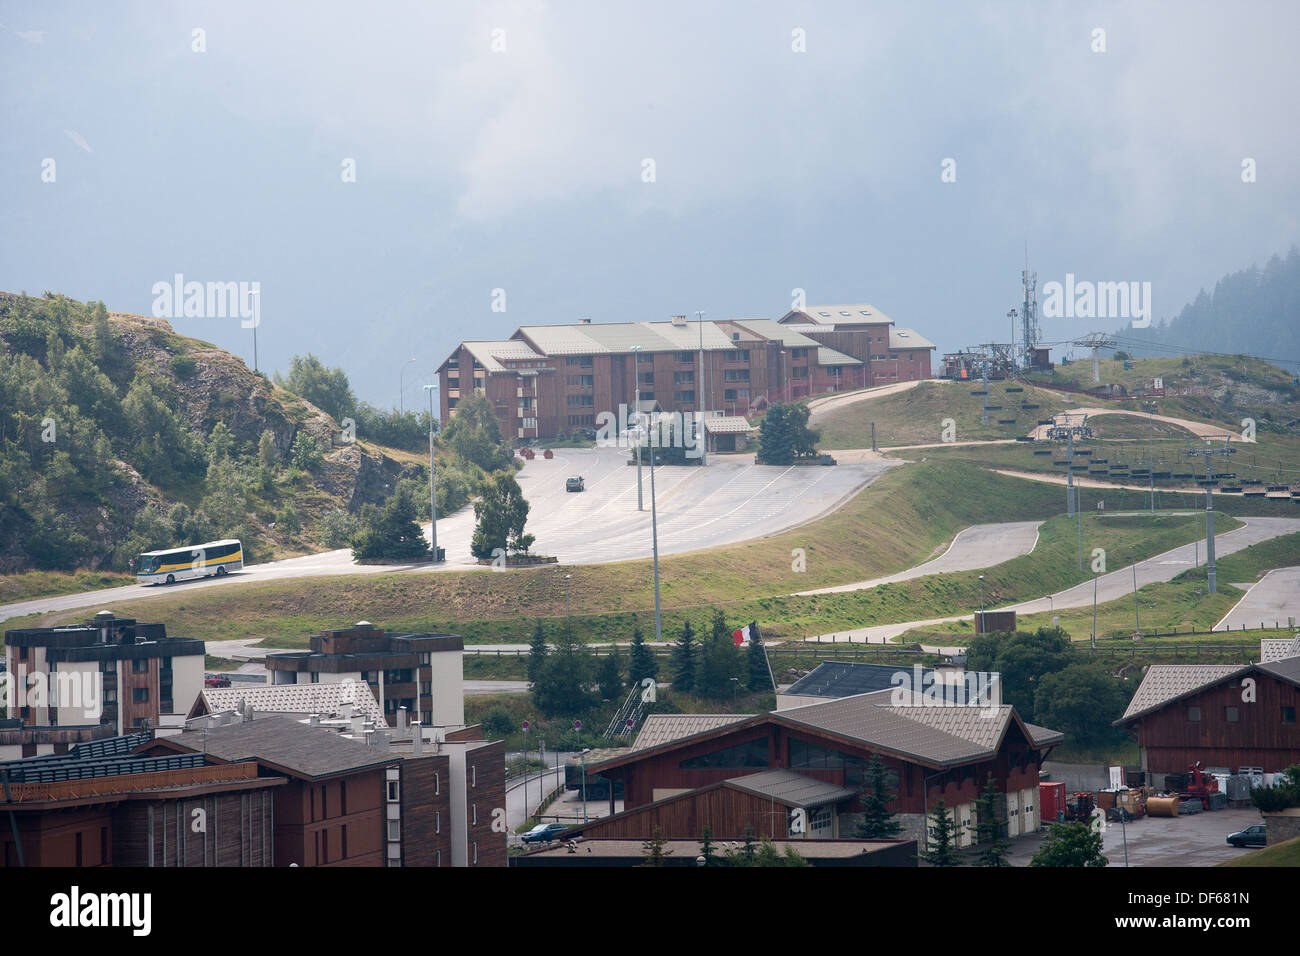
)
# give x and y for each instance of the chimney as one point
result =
(103, 620)
(314, 720)
(584, 321)
(358, 724)
(417, 740)
(679, 320)
(401, 720)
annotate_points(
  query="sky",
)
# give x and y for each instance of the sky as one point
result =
(393, 174)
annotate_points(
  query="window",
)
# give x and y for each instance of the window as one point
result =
(752, 753)
(315, 677)
(473, 775)
(799, 371)
(580, 401)
(473, 811)
(1230, 714)
(687, 396)
(394, 830)
(1288, 715)
(686, 356)
(582, 419)
(736, 355)
(140, 666)
(736, 375)
(581, 381)
(1194, 714)
(683, 378)
(729, 395)
(437, 818)
(529, 422)
(140, 695)
(799, 353)
(437, 784)
(582, 361)
(646, 378)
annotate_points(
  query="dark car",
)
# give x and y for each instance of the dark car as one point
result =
(544, 832)
(1251, 836)
(575, 484)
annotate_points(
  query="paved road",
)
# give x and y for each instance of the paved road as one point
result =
(1274, 599)
(979, 546)
(730, 500)
(820, 407)
(1111, 586)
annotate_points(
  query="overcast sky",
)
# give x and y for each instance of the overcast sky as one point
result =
(504, 146)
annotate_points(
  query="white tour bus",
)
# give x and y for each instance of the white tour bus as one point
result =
(182, 564)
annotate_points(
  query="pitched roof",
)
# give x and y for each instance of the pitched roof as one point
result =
(792, 789)
(775, 330)
(908, 339)
(828, 356)
(664, 728)
(292, 699)
(840, 314)
(1288, 669)
(284, 744)
(940, 735)
(843, 679)
(1165, 683)
(1271, 649)
(728, 425)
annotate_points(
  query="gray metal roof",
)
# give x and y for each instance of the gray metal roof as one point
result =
(296, 698)
(840, 314)
(792, 789)
(908, 339)
(828, 356)
(943, 734)
(300, 749)
(665, 728)
(1163, 683)
(1273, 649)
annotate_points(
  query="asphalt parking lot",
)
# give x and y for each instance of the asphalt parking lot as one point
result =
(1195, 840)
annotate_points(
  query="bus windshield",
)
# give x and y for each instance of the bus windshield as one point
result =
(146, 564)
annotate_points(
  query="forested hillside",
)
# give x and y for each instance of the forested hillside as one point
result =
(1252, 312)
(118, 436)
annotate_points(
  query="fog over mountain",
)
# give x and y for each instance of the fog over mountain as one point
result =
(505, 146)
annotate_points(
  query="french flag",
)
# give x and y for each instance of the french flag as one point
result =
(745, 634)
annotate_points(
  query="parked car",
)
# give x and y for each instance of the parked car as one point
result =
(825, 459)
(575, 484)
(1251, 836)
(544, 832)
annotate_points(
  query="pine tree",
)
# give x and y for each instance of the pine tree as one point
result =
(758, 677)
(707, 851)
(990, 828)
(719, 662)
(609, 675)
(654, 849)
(878, 822)
(939, 849)
(644, 663)
(684, 663)
(537, 654)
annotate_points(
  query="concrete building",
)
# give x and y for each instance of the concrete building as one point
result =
(70, 685)
(421, 672)
(863, 331)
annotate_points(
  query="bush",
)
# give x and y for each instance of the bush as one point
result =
(182, 366)
(306, 453)
(337, 528)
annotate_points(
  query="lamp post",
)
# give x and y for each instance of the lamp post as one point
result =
(401, 387)
(433, 495)
(257, 320)
(981, 627)
(583, 758)
(704, 448)
(636, 406)
(654, 544)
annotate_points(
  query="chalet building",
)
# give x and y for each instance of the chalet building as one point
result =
(863, 331)
(421, 672)
(1222, 715)
(101, 804)
(72, 685)
(797, 772)
(546, 379)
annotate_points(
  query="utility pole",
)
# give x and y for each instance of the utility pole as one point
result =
(433, 487)
(1094, 611)
(636, 405)
(1209, 482)
(1137, 620)
(985, 377)
(654, 541)
(704, 452)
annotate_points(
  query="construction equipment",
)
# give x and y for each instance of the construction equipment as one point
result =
(1079, 807)
(1199, 786)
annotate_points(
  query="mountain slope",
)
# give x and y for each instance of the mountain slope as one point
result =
(117, 435)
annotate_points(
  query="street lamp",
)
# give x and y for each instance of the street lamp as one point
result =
(433, 496)
(654, 544)
(704, 452)
(583, 759)
(981, 627)
(257, 319)
(401, 387)
(636, 404)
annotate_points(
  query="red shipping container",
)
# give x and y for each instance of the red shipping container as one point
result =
(1051, 801)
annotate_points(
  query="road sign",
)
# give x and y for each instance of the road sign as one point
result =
(577, 725)
(525, 725)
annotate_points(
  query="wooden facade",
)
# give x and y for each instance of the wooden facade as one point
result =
(426, 810)
(338, 821)
(1220, 727)
(485, 803)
